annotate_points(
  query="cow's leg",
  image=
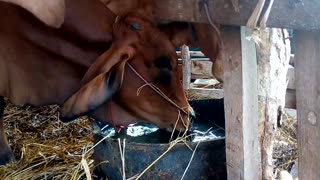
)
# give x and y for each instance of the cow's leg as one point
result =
(6, 154)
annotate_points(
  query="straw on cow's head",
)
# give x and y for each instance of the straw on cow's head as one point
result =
(140, 73)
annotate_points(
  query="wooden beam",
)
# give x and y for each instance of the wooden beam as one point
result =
(203, 68)
(241, 106)
(218, 93)
(207, 93)
(295, 14)
(193, 53)
(186, 67)
(197, 59)
(291, 78)
(308, 103)
(291, 101)
(291, 62)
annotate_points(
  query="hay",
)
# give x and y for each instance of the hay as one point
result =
(285, 147)
(209, 86)
(44, 147)
(195, 96)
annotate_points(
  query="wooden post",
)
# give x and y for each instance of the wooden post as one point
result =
(273, 55)
(308, 103)
(241, 105)
(186, 67)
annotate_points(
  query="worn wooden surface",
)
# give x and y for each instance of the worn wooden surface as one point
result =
(308, 103)
(296, 14)
(291, 62)
(186, 67)
(207, 93)
(241, 106)
(202, 70)
(273, 55)
(192, 53)
(218, 93)
(291, 78)
(291, 101)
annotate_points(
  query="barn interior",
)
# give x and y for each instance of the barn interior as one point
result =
(46, 148)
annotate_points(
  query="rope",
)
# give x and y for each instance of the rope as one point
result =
(210, 19)
(156, 89)
(216, 29)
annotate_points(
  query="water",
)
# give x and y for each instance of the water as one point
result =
(148, 133)
(207, 132)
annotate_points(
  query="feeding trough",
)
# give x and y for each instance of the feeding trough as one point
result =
(148, 153)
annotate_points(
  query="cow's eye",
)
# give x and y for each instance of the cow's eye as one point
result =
(164, 70)
(135, 26)
(163, 62)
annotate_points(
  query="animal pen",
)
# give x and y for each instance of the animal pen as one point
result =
(241, 81)
(247, 143)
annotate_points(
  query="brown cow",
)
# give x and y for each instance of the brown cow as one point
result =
(50, 12)
(192, 34)
(42, 65)
(198, 35)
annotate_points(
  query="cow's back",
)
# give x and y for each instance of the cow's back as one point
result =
(42, 65)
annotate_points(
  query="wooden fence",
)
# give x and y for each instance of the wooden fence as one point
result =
(240, 76)
(194, 65)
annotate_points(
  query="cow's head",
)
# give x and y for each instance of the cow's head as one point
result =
(153, 60)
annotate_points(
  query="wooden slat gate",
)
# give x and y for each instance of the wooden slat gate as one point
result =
(240, 72)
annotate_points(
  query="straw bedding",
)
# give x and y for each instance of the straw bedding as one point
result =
(46, 148)
(285, 147)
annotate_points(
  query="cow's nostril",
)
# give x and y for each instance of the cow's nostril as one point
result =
(192, 115)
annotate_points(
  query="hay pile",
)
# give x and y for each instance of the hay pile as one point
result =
(285, 148)
(44, 147)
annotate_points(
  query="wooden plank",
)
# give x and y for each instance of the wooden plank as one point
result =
(296, 14)
(202, 70)
(291, 99)
(201, 76)
(308, 103)
(207, 93)
(291, 78)
(193, 54)
(186, 66)
(190, 10)
(197, 59)
(219, 93)
(241, 106)
(291, 62)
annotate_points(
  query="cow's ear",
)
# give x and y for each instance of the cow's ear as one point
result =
(107, 60)
(92, 95)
